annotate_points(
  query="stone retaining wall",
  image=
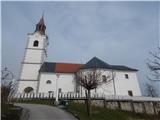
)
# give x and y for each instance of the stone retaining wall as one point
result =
(147, 107)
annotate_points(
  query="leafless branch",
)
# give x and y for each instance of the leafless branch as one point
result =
(154, 66)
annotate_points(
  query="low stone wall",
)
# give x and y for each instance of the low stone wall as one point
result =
(147, 107)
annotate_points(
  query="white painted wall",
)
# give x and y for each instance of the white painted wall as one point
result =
(30, 71)
(37, 36)
(36, 54)
(65, 81)
(122, 85)
(24, 84)
(32, 61)
(33, 55)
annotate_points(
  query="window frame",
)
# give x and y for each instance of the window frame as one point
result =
(104, 78)
(130, 93)
(28, 89)
(35, 43)
(48, 82)
(126, 76)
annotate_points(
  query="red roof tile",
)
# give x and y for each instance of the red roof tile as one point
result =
(67, 67)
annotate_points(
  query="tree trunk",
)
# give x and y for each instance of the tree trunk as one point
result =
(88, 102)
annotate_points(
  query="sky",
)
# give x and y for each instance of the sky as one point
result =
(119, 33)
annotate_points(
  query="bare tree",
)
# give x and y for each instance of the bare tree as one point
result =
(150, 90)
(154, 67)
(91, 79)
(7, 85)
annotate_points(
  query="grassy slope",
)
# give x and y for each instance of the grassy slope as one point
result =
(105, 114)
(10, 112)
(38, 101)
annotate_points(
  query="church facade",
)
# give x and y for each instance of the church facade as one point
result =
(39, 76)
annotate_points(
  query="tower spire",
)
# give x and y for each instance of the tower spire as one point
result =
(41, 26)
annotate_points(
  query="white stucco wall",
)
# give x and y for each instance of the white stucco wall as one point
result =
(30, 71)
(24, 84)
(65, 81)
(122, 85)
(36, 54)
(33, 58)
(37, 36)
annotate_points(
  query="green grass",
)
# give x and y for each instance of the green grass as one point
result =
(38, 101)
(10, 112)
(99, 113)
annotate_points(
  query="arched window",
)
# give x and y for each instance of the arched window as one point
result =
(104, 78)
(126, 76)
(35, 44)
(48, 82)
(28, 89)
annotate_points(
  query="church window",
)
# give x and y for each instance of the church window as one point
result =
(104, 78)
(126, 76)
(48, 82)
(130, 93)
(28, 90)
(35, 44)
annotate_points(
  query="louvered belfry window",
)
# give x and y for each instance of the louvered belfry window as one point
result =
(35, 44)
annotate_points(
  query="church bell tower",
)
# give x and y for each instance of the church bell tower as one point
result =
(35, 55)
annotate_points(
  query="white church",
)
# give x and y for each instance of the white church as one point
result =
(39, 76)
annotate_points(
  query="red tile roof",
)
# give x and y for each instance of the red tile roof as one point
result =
(67, 67)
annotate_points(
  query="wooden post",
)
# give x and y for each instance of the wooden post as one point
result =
(39, 95)
(104, 103)
(143, 107)
(67, 95)
(158, 115)
(23, 96)
(154, 108)
(20, 96)
(27, 95)
(132, 106)
(49, 95)
(43, 95)
(119, 105)
(52, 95)
(33, 95)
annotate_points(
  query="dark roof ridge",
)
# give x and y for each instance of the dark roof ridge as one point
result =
(98, 63)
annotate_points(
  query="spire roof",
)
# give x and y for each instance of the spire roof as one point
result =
(41, 26)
